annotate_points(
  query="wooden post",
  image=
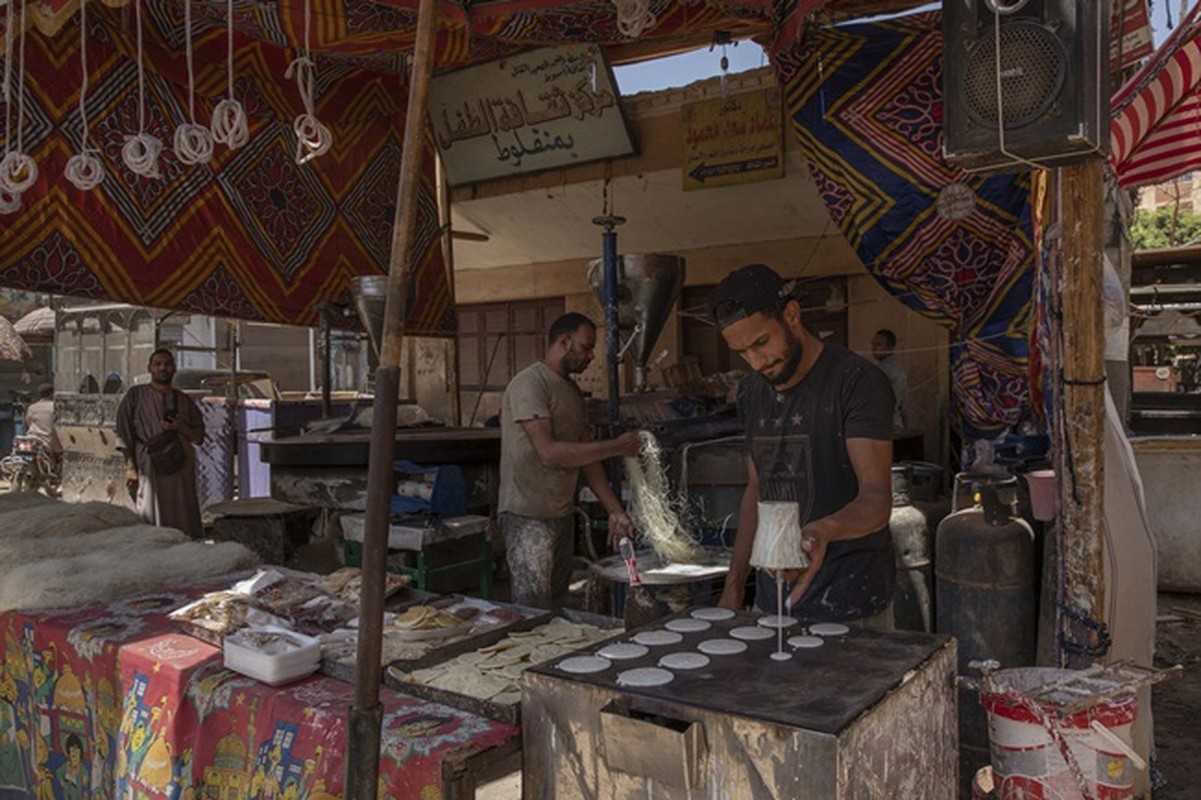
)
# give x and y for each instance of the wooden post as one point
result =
(1081, 452)
(366, 717)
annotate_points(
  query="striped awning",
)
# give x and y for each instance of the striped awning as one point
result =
(1156, 129)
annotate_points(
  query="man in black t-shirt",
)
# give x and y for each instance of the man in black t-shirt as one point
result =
(818, 422)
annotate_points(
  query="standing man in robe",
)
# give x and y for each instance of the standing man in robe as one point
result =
(146, 411)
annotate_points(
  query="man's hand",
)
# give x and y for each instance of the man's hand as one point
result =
(813, 544)
(131, 479)
(628, 444)
(620, 525)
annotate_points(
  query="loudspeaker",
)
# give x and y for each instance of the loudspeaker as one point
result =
(1053, 82)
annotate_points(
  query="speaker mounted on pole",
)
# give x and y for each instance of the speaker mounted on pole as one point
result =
(1044, 102)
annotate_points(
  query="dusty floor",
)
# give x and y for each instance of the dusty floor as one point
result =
(1177, 703)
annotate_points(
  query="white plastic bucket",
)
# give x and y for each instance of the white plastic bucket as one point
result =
(1027, 763)
(1042, 493)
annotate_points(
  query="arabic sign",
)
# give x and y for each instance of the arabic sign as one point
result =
(735, 139)
(548, 108)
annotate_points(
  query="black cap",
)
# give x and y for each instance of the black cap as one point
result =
(746, 291)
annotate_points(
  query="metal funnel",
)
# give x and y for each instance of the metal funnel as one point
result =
(648, 285)
(370, 294)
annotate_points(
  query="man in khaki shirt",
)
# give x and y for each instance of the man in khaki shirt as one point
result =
(545, 443)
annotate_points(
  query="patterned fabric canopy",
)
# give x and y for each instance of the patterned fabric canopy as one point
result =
(866, 104)
(1156, 128)
(252, 234)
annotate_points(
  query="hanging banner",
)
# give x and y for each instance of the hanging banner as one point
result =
(549, 108)
(731, 140)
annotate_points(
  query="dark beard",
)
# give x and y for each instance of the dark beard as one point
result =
(154, 378)
(792, 358)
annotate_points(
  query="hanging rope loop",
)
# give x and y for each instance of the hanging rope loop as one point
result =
(18, 171)
(84, 170)
(140, 152)
(312, 137)
(193, 143)
(230, 126)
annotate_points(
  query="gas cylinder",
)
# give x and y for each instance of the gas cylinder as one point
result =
(912, 538)
(986, 596)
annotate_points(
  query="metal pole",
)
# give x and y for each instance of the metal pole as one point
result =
(612, 334)
(363, 736)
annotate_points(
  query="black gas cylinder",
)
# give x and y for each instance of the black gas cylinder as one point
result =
(913, 540)
(986, 596)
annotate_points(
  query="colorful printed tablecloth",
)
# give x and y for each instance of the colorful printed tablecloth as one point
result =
(107, 702)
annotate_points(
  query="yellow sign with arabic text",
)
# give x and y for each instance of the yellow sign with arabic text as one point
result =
(547, 108)
(736, 139)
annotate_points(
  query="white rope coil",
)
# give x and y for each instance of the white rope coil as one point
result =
(10, 202)
(312, 138)
(140, 153)
(18, 172)
(85, 170)
(193, 143)
(230, 127)
(633, 17)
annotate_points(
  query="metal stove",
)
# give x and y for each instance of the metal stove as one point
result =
(869, 714)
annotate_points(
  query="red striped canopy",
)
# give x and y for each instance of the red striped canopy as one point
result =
(1156, 129)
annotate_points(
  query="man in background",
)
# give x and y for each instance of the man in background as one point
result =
(545, 442)
(39, 419)
(884, 345)
(163, 495)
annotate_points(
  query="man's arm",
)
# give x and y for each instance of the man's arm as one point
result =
(734, 593)
(620, 523)
(866, 514)
(560, 454)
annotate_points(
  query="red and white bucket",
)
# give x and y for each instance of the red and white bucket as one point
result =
(1027, 762)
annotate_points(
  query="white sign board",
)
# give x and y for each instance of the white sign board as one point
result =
(544, 109)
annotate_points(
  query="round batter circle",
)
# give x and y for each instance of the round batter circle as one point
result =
(721, 647)
(751, 633)
(658, 638)
(805, 641)
(712, 614)
(778, 621)
(583, 665)
(622, 650)
(829, 629)
(684, 661)
(779, 656)
(644, 676)
(687, 625)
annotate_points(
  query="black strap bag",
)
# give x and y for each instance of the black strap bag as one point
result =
(166, 449)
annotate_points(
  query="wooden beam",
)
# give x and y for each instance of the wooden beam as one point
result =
(366, 716)
(1080, 456)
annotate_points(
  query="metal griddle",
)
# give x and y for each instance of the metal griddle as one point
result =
(821, 689)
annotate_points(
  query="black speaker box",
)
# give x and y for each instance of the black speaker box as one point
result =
(1053, 83)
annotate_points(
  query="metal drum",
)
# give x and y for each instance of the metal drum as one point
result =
(986, 596)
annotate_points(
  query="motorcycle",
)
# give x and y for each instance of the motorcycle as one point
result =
(32, 466)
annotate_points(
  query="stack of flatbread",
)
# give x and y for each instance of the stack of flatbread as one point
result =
(494, 672)
(424, 622)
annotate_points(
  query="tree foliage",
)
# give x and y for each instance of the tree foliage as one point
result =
(1164, 227)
